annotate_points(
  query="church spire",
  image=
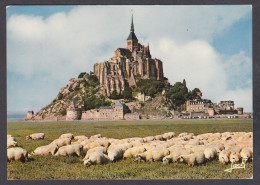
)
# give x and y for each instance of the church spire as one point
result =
(132, 24)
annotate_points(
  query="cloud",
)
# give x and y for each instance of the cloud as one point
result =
(47, 52)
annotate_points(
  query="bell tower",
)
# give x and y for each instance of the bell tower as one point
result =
(132, 41)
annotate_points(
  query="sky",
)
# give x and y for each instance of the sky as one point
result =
(210, 46)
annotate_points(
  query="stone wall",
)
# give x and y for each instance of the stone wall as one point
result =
(132, 116)
(73, 114)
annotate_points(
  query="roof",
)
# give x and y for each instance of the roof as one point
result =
(105, 107)
(132, 36)
(124, 49)
(119, 104)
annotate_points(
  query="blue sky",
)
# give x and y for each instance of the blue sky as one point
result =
(209, 46)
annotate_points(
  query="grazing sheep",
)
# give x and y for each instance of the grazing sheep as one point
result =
(8, 136)
(192, 159)
(95, 136)
(82, 137)
(234, 157)
(158, 137)
(62, 142)
(168, 135)
(91, 145)
(152, 155)
(11, 142)
(210, 153)
(46, 149)
(175, 154)
(115, 153)
(35, 136)
(97, 149)
(70, 150)
(224, 156)
(149, 139)
(246, 154)
(183, 134)
(96, 158)
(16, 154)
(67, 135)
(132, 152)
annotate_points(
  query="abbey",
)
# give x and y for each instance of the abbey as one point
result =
(128, 64)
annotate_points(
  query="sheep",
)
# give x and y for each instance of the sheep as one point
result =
(62, 142)
(8, 136)
(16, 154)
(224, 156)
(246, 154)
(183, 134)
(152, 155)
(149, 139)
(91, 145)
(115, 153)
(46, 149)
(82, 137)
(35, 136)
(96, 158)
(97, 149)
(234, 157)
(168, 135)
(67, 135)
(174, 155)
(192, 159)
(70, 150)
(132, 152)
(11, 142)
(95, 136)
(158, 137)
(210, 153)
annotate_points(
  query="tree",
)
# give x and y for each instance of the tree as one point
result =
(127, 93)
(82, 74)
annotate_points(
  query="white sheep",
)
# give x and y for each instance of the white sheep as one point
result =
(82, 137)
(192, 159)
(149, 139)
(96, 158)
(95, 136)
(132, 152)
(115, 153)
(224, 156)
(62, 142)
(175, 154)
(152, 155)
(210, 153)
(67, 135)
(35, 136)
(11, 142)
(158, 137)
(70, 150)
(234, 157)
(16, 154)
(46, 149)
(246, 154)
(97, 149)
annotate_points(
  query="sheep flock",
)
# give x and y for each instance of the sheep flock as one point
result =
(227, 147)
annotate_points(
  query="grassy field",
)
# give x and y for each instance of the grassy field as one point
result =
(71, 167)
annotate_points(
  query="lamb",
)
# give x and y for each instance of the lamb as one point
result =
(246, 154)
(62, 142)
(11, 142)
(132, 152)
(96, 158)
(70, 150)
(67, 135)
(192, 159)
(210, 153)
(16, 154)
(224, 156)
(97, 149)
(35, 136)
(46, 149)
(152, 155)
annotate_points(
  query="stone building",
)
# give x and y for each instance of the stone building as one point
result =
(128, 64)
(240, 110)
(73, 112)
(30, 114)
(115, 112)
